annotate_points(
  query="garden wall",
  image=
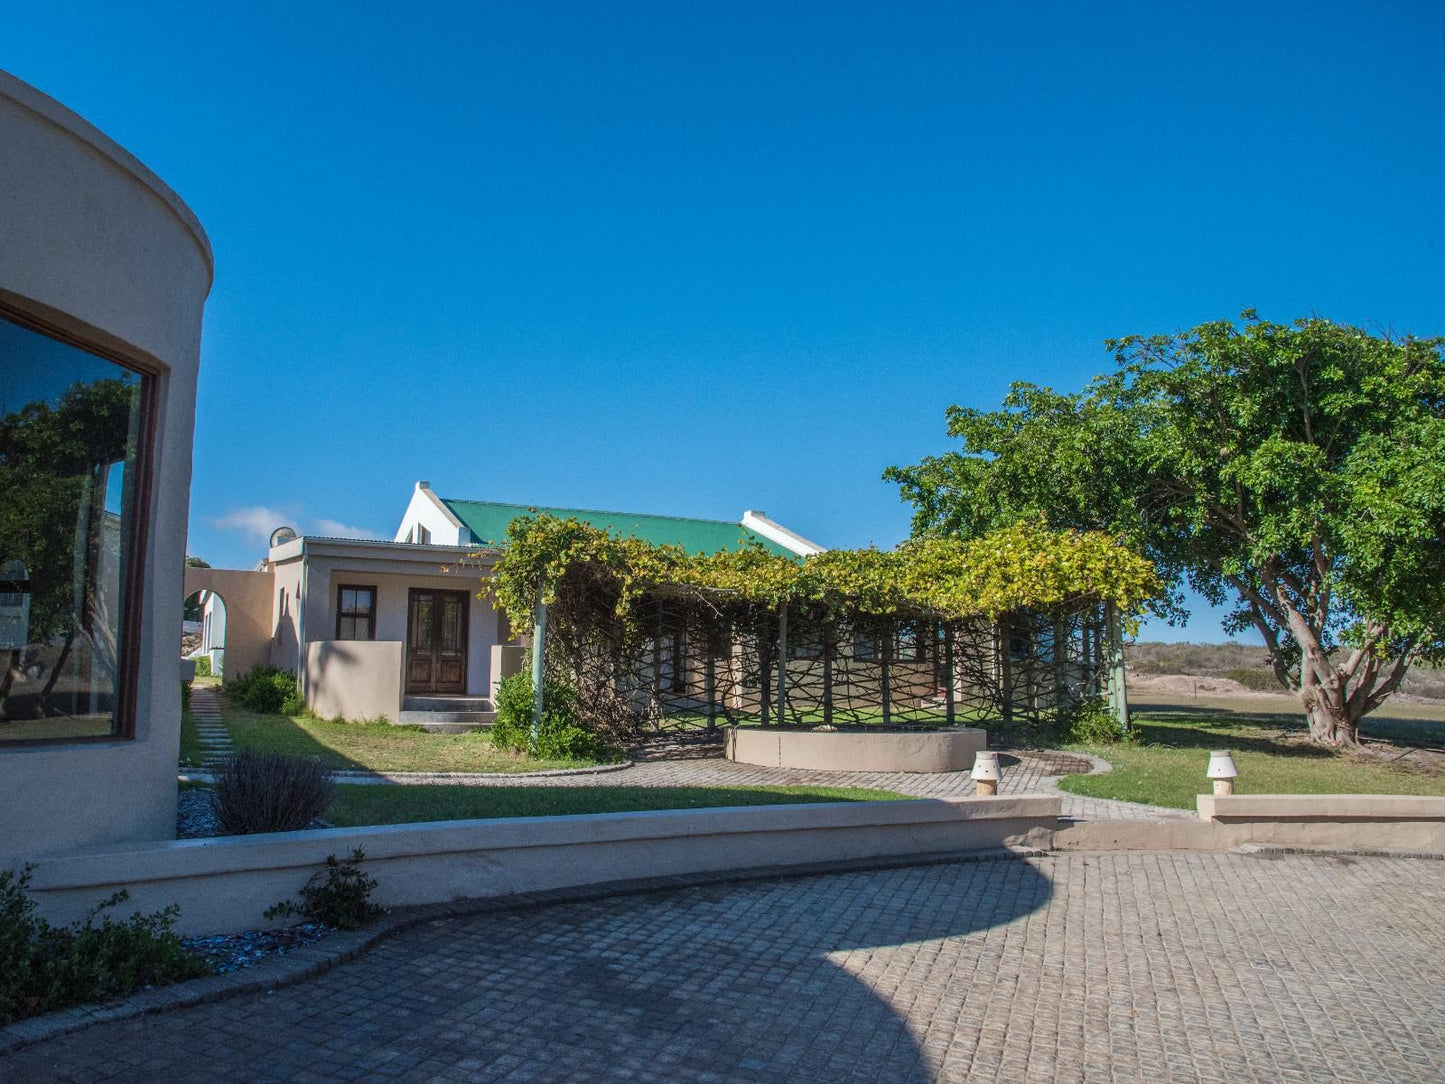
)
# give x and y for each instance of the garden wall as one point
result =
(1351, 822)
(354, 679)
(224, 885)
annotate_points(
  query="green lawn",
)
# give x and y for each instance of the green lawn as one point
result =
(190, 740)
(356, 804)
(377, 746)
(1168, 767)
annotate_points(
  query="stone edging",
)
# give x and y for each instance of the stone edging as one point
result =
(343, 946)
(1330, 852)
(205, 775)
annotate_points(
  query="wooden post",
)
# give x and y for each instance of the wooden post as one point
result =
(1118, 685)
(827, 673)
(709, 677)
(950, 696)
(783, 665)
(887, 665)
(1061, 677)
(1005, 667)
(539, 669)
(765, 637)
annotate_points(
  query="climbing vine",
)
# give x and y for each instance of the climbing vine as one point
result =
(1022, 567)
(1012, 624)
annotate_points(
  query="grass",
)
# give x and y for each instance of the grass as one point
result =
(377, 746)
(190, 739)
(358, 804)
(1167, 768)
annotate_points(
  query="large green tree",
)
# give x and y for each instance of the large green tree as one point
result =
(1296, 472)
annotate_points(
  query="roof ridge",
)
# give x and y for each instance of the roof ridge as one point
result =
(595, 511)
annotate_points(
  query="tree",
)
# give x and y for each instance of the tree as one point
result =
(193, 610)
(1297, 471)
(53, 460)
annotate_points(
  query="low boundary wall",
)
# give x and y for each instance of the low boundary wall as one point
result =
(224, 885)
(939, 749)
(354, 679)
(1367, 822)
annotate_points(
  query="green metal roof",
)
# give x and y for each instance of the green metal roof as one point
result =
(488, 520)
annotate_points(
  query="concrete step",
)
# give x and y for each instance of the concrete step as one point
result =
(446, 703)
(448, 722)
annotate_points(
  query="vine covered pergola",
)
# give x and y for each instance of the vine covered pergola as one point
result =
(1020, 624)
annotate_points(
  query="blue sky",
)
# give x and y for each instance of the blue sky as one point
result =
(700, 258)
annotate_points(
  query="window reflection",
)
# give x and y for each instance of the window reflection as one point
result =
(69, 437)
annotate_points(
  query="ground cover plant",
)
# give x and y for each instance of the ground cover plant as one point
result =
(45, 967)
(1296, 471)
(337, 895)
(1166, 765)
(357, 804)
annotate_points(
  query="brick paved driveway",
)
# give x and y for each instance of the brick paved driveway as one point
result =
(1140, 967)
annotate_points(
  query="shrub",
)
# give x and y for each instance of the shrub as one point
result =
(267, 690)
(45, 967)
(562, 736)
(270, 792)
(203, 666)
(1090, 722)
(339, 895)
(1262, 681)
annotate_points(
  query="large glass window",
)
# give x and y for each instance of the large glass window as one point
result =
(70, 446)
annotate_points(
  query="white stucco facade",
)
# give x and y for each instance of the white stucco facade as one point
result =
(96, 249)
(427, 521)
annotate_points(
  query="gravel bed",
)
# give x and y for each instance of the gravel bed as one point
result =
(231, 952)
(194, 817)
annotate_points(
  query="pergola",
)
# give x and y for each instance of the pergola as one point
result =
(654, 639)
(688, 659)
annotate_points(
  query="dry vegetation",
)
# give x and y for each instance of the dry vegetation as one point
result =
(1247, 665)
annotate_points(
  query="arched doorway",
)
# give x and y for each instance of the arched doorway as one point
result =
(203, 632)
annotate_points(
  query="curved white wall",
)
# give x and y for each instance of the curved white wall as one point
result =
(96, 246)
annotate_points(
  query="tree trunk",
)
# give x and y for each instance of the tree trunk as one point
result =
(7, 679)
(56, 669)
(1331, 721)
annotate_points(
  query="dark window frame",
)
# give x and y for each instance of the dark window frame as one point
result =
(914, 649)
(127, 671)
(353, 614)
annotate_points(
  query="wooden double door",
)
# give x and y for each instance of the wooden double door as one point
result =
(436, 642)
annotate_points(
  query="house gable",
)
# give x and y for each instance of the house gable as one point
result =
(488, 520)
(429, 521)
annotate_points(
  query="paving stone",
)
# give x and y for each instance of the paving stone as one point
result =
(1076, 967)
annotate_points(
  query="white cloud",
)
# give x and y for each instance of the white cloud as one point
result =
(256, 522)
(332, 529)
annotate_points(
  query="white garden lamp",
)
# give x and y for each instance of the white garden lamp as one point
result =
(986, 773)
(1222, 771)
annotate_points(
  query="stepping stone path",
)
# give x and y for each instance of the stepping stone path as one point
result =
(215, 739)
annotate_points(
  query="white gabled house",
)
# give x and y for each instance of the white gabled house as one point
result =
(395, 628)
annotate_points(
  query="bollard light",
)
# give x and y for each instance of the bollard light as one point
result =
(1222, 771)
(986, 773)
